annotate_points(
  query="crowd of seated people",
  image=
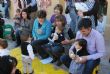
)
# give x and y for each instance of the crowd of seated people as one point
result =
(78, 45)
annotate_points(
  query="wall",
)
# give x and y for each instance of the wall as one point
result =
(108, 15)
(49, 9)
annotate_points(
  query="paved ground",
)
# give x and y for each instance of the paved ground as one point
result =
(104, 66)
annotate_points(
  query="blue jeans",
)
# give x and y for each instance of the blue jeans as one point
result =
(54, 50)
(74, 20)
(66, 60)
(18, 40)
(38, 48)
(90, 64)
(6, 10)
(73, 17)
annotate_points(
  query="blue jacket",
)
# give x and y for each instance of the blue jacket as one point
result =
(46, 30)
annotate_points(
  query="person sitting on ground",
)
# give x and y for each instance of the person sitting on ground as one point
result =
(17, 19)
(40, 32)
(3, 47)
(25, 24)
(61, 37)
(58, 10)
(95, 46)
(27, 52)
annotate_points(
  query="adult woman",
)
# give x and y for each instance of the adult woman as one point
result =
(61, 37)
(26, 24)
(58, 10)
(40, 32)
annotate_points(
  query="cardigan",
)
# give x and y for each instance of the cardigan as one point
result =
(45, 28)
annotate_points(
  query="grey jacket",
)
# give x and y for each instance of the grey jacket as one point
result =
(26, 25)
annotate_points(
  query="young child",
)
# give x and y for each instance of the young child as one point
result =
(27, 52)
(8, 65)
(80, 49)
(3, 47)
(17, 19)
(17, 26)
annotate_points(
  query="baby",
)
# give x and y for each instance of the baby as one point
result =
(80, 49)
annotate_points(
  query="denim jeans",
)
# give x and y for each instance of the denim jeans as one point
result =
(55, 51)
(74, 19)
(18, 37)
(38, 48)
(66, 60)
(6, 10)
(90, 65)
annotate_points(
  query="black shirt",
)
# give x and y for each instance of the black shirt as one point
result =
(24, 50)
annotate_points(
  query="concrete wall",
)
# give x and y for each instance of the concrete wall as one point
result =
(108, 15)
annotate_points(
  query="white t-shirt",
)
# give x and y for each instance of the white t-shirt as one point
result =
(5, 1)
(4, 52)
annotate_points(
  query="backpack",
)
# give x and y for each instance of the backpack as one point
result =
(8, 32)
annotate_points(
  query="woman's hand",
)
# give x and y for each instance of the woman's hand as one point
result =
(55, 37)
(66, 41)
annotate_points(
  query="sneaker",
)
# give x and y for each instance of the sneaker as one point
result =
(47, 60)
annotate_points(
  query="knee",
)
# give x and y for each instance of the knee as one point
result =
(63, 58)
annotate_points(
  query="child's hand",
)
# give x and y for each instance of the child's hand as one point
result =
(83, 59)
(72, 55)
(78, 59)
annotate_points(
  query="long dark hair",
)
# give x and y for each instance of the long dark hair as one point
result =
(83, 44)
(26, 11)
(6, 64)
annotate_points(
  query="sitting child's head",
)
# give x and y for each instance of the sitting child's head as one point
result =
(25, 36)
(80, 44)
(3, 44)
(8, 65)
(58, 9)
(18, 12)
